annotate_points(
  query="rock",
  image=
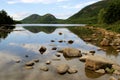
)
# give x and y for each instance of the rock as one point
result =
(102, 71)
(42, 49)
(54, 48)
(31, 63)
(52, 41)
(55, 58)
(70, 41)
(58, 54)
(60, 33)
(109, 70)
(60, 41)
(48, 62)
(92, 52)
(118, 47)
(17, 61)
(112, 78)
(116, 67)
(62, 68)
(28, 67)
(26, 56)
(116, 42)
(44, 68)
(88, 39)
(71, 52)
(119, 78)
(36, 60)
(97, 62)
(116, 72)
(118, 50)
(83, 58)
(105, 42)
(72, 71)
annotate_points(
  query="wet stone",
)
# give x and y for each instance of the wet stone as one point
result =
(48, 62)
(62, 68)
(72, 71)
(60, 41)
(28, 67)
(58, 54)
(54, 48)
(36, 60)
(42, 49)
(17, 61)
(52, 41)
(70, 41)
(44, 68)
(31, 63)
(60, 33)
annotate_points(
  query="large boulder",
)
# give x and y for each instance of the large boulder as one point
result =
(97, 62)
(62, 68)
(71, 52)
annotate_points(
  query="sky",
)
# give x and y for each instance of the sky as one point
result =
(62, 9)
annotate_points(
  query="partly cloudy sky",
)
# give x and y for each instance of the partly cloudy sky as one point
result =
(62, 9)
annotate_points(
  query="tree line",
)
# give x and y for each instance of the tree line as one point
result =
(111, 14)
(5, 18)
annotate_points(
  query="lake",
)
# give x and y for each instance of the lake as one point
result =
(23, 43)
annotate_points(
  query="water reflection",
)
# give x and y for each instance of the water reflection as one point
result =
(5, 30)
(27, 41)
(36, 29)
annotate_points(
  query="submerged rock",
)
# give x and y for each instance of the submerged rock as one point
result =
(44, 68)
(72, 71)
(97, 62)
(70, 41)
(42, 49)
(60, 33)
(31, 63)
(48, 62)
(62, 68)
(54, 48)
(17, 61)
(28, 67)
(71, 52)
(36, 60)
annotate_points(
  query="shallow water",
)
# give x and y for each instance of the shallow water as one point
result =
(27, 40)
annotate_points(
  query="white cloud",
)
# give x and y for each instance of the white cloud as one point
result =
(34, 1)
(20, 15)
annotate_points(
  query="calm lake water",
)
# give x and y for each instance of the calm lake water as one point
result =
(26, 39)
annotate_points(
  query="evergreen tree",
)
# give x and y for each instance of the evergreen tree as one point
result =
(112, 12)
(5, 18)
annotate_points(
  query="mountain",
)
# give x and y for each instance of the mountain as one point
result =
(35, 18)
(89, 13)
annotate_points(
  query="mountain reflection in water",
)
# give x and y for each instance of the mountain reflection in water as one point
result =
(27, 40)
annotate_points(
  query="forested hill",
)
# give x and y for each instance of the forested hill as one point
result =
(35, 18)
(89, 13)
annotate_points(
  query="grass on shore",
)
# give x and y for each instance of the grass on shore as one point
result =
(111, 27)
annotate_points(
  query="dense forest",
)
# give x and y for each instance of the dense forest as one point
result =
(5, 18)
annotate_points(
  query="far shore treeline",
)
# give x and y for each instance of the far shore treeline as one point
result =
(5, 19)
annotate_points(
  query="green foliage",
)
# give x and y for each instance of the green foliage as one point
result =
(112, 12)
(48, 18)
(101, 16)
(89, 13)
(5, 19)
